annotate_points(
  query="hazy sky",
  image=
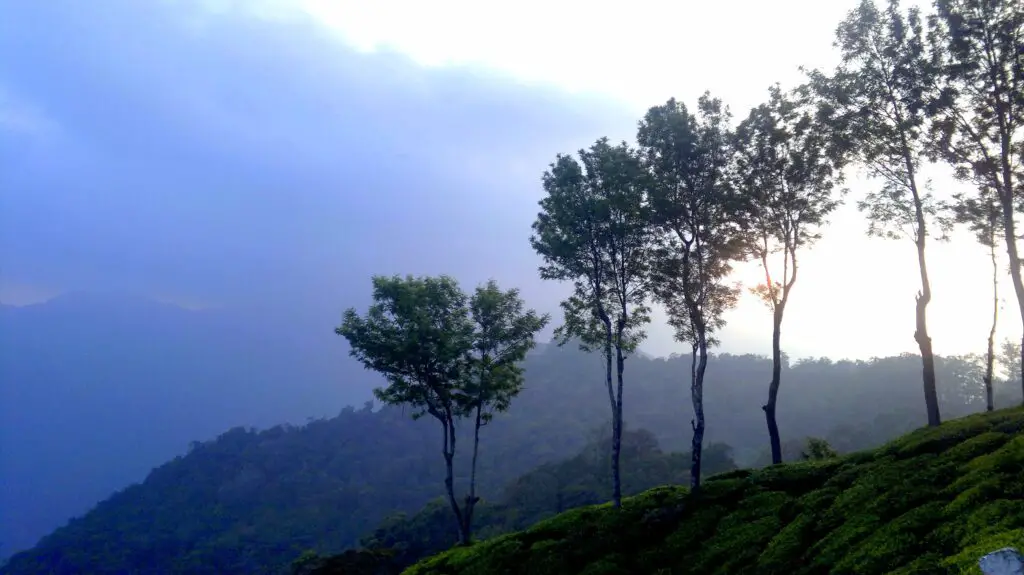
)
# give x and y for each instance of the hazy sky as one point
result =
(276, 153)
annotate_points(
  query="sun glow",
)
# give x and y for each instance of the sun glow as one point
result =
(855, 296)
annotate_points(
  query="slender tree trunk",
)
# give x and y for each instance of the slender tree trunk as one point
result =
(1006, 201)
(924, 297)
(616, 479)
(773, 388)
(472, 499)
(697, 393)
(924, 341)
(449, 480)
(617, 428)
(990, 356)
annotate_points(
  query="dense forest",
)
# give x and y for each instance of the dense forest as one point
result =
(476, 415)
(253, 501)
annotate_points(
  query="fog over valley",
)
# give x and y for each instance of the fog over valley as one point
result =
(210, 211)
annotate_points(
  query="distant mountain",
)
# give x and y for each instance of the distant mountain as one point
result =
(97, 389)
(249, 501)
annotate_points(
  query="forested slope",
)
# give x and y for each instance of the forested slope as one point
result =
(934, 501)
(252, 501)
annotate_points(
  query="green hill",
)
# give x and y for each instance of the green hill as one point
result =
(544, 492)
(249, 502)
(933, 501)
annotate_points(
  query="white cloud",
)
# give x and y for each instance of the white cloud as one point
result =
(855, 296)
(641, 52)
(859, 291)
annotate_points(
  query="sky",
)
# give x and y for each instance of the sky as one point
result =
(272, 155)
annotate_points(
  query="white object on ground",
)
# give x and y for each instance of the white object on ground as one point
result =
(1006, 561)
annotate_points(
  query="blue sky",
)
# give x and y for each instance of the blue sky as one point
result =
(276, 153)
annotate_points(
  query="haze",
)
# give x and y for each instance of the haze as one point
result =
(275, 154)
(263, 159)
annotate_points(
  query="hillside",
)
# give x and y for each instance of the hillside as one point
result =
(541, 493)
(97, 389)
(248, 501)
(933, 501)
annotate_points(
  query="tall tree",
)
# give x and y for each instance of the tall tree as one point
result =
(594, 231)
(878, 104)
(419, 335)
(693, 208)
(503, 334)
(983, 216)
(979, 47)
(787, 179)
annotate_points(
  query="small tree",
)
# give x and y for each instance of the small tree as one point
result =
(694, 210)
(594, 231)
(817, 449)
(877, 104)
(787, 178)
(1009, 351)
(982, 216)
(418, 334)
(978, 45)
(503, 334)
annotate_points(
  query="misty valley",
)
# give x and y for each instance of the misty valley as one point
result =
(480, 396)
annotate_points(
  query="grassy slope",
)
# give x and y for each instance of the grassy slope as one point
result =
(933, 501)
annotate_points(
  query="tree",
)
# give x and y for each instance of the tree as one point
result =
(978, 45)
(1008, 353)
(877, 105)
(818, 449)
(787, 177)
(594, 231)
(418, 334)
(503, 334)
(693, 209)
(982, 216)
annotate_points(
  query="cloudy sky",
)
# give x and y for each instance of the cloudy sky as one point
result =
(273, 154)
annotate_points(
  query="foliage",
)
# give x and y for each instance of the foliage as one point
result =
(980, 214)
(983, 216)
(979, 127)
(351, 562)
(694, 210)
(503, 334)
(542, 493)
(251, 502)
(787, 179)
(818, 449)
(595, 231)
(1009, 354)
(786, 175)
(933, 501)
(592, 231)
(980, 110)
(417, 334)
(445, 356)
(878, 104)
